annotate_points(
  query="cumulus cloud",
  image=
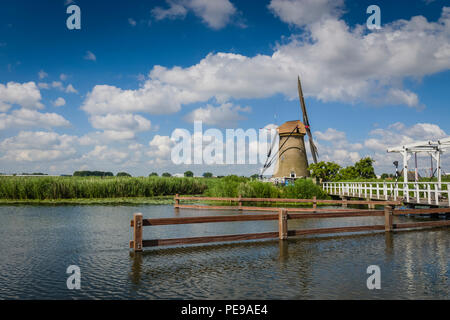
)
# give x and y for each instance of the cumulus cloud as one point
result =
(120, 122)
(70, 89)
(59, 102)
(132, 22)
(336, 63)
(90, 56)
(397, 134)
(31, 118)
(38, 146)
(161, 147)
(105, 153)
(225, 115)
(42, 74)
(334, 146)
(215, 13)
(304, 12)
(26, 95)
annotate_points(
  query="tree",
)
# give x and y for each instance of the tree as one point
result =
(123, 174)
(166, 174)
(348, 173)
(325, 171)
(153, 174)
(365, 169)
(254, 176)
(92, 174)
(188, 174)
(207, 175)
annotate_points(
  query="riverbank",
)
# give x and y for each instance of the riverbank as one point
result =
(143, 190)
(92, 201)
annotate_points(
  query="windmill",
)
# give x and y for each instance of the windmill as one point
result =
(291, 154)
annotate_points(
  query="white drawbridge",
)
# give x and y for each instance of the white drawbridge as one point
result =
(414, 192)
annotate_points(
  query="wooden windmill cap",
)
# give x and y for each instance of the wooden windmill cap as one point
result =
(289, 126)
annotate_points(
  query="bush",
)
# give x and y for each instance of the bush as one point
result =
(303, 189)
(123, 174)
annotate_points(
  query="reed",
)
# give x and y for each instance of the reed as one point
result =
(95, 187)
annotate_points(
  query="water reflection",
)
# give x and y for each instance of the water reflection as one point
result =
(416, 266)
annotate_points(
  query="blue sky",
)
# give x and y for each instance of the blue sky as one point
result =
(109, 96)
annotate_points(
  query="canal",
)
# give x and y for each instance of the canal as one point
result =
(38, 243)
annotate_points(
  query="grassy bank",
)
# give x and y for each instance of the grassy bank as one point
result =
(151, 190)
(91, 201)
(44, 188)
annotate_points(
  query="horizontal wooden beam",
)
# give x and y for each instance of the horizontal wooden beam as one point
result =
(422, 224)
(208, 239)
(257, 217)
(244, 208)
(344, 214)
(421, 211)
(284, 200)
(208, 219)
(335, 230)
(268, 235)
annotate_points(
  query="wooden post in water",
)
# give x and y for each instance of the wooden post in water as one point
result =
(344, 205)
(314, 202)
(137, 232)
(388, 218)
(282, 224)
(177, 201)
(370, 205)
(240, 203)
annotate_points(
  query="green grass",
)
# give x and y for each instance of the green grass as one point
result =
(148, 190)
(46, 188)
(91, 201)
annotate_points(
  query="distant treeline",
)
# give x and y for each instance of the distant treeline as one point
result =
(92, 174)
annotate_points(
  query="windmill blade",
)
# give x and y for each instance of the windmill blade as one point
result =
(313, 147)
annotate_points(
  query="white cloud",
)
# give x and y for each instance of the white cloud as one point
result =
(38, 146)
(161, 147)
(71, 89)
(105, 153)
(26, 95)
(152, 98)
(59, 102)
(225, 115)
(90, 56)
(43, 85)
(31, 118)
(336, 63)
(42, 74)
(215, 13)
(57, 85)
(120, 122)
(304, 12)
(330, 134)
(132, 22)
(63, 77)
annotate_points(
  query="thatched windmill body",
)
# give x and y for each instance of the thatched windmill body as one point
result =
(292, 160)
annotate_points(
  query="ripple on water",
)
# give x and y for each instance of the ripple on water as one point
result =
(414, 264)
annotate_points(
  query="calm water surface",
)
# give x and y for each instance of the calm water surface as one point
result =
(38, 243)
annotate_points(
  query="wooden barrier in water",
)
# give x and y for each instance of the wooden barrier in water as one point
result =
(283, 215)
(239, 201)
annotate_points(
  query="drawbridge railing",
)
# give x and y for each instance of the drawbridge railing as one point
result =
(428, 193)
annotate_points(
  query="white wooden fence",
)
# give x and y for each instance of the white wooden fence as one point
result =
(431, 193)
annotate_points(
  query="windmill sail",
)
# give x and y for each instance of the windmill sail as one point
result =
(306, 122)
